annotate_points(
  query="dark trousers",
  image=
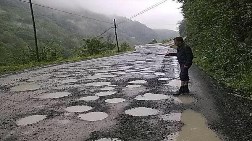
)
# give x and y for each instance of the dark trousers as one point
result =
(184, 76)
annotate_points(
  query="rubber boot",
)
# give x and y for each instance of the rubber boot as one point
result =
(186, 89)
(181, 90)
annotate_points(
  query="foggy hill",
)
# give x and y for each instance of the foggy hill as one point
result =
(66, 29)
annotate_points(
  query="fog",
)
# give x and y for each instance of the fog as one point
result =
(165, 16)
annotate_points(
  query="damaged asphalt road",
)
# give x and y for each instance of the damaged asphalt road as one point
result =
(127, 97)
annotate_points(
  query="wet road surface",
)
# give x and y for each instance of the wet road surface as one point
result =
(127, 97)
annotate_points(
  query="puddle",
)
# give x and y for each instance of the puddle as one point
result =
(171, 117)
(164, 79)
(62, 87)
(105, 75)
(105, 93)
(30, 120)
(55, 95)
(97, 84)
(93, 116)
(107, 89)
(133, 86)
(95, 77)
(186, 99)
(89, 98)
(120, 73)
(76, 109)
(174, 83)
(159, 73)
(69, 81)
(195, 128)
(108, 139)
(138, 82)
(142, 111)
(62, 76)
(150, 96)
(25, 87)
(115, 100)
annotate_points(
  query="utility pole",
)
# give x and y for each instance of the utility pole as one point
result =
(35, 33)
(116, 36)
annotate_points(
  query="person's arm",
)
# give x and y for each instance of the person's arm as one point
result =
(189, 56)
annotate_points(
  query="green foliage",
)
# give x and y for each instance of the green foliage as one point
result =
(95, 46)
(125, 47)
(220, 34)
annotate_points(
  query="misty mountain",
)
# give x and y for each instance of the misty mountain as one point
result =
(166, 34)
(67, 29)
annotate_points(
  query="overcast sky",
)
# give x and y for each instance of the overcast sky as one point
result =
(165, 16)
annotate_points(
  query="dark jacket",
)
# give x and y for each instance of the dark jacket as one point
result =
(184, 55)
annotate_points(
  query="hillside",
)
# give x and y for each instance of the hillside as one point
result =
(59, 31)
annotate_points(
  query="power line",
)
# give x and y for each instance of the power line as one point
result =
(144, 11)
(105, 32)
(55, 9)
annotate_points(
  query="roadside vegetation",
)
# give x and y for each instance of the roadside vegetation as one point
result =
(53, 54)
(220, 33)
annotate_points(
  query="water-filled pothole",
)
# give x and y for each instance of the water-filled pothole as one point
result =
(115, 100)
(174, 83)
(164, 79)
(89, 98)
(107, 88)
(105, 93)
(25, 87)
(93, 116)
(133, 86)
(76, 109)
(30, 120)
(195, 128)
(159, 73)
(97, 84)
(108, 139)
(55, 95)
(142, 111)
(69, 81)
(150, 96)
(138, 82)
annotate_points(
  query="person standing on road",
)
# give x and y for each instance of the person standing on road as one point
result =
(185, 57)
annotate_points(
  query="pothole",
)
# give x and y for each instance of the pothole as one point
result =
(69, 81)
(93, 116)
(108, 139)
(142, 111)
(195, 128)
(97, 84)
(105, 93)
(115, 100)
(55, 95)
(89, 98)
(164, 79)
(107, 88)
(78, 109)
(133, 86)
(30, 120)
(174, 83)
(138, 82)
(25, 87)
(159, 73)
(150, 96)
